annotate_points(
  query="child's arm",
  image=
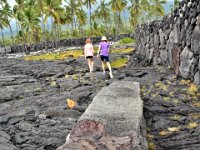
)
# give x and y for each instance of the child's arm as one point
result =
(92, 49)
(108, 49)
(85, 52)
(98, 50)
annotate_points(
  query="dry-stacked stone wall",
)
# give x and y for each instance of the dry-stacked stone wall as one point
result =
(174, 41)
(63, 43)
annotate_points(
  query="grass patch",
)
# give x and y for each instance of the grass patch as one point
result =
(119, 63)
(196, 104)
(123, 51)
(75, 77)
(151, 146)
(173, 129)
(176, 101)
(160, 85)
(192, 125)
(126, 40)
(56, 56)
(164, 133)
(166, 98)
(53, 84)
(193, 88)
(195, 115)
(175, 117)
(185, 82)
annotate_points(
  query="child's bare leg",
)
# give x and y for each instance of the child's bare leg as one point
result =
(103, 68)
(109, 68)
(92, 64)
(89, 64)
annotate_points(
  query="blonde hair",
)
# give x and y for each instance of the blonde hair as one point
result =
(88, 40)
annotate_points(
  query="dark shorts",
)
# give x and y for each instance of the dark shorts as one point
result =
(89, 57)
(104, 58)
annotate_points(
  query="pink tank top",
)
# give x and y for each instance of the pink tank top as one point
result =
(88, 49)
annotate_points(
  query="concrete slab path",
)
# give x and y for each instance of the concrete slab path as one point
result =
(113, 121)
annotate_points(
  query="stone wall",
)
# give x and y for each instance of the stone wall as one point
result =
(64, 43)
(174, 41)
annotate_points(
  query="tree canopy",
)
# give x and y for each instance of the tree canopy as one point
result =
(42, 20)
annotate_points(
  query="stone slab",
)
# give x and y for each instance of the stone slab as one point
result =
(114, 120)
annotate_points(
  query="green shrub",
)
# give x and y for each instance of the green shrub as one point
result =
(126, 40)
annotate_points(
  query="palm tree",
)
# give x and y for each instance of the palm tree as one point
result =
(81, 18)
(40, 4)
(157, 8)
(7, 14)
(138, 9)
(31, 20)
(3, 21)
(175, 4)
(53, 9)
(71, 8)
(18, 15)
(2, 26)
(75, 13)
(89, 4)
(117, 7)
(103, 12)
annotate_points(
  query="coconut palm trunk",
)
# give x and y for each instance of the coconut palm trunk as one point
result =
(44, 37)
(90, 12)
(3, 40)
(24, 40)
(11, 32)
(18, 40)
(53, 32)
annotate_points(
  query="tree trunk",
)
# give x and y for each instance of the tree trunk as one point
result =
(90, 21)
(53, 34)
(17, 36)
(44, 38)
(119, 22)
(116, 25)
(57, 34)
(25, 48)
(3, 40)
(12, 37)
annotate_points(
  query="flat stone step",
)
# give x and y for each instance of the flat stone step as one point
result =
(114, 121)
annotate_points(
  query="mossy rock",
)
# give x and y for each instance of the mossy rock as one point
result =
(56, 56)
(75, 77)
(123, 51)
(126, 40)
(151, 146)
(119, 63)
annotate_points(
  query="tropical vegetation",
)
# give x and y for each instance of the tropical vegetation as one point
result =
(39, 21)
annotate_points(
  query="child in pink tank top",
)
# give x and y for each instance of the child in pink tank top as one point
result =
(89, 53)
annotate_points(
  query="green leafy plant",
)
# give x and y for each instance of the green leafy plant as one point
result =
(119, 63)
(126, 40)
(123, 51)
(56, 56)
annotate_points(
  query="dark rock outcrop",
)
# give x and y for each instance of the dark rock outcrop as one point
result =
(174, 41)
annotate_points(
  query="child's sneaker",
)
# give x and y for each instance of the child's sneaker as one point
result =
(111, 76)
